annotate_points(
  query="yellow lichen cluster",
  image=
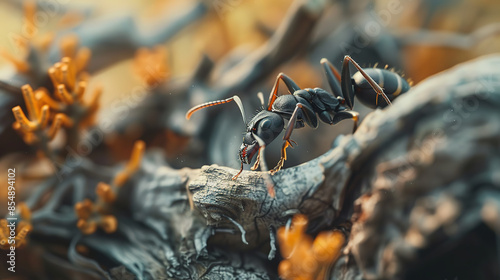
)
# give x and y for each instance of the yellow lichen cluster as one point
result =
(34, 128)
(90, 216)
(22, 229)
(70, 85)
(151, 65)
(305, 258)
(67, 108)
(93, 215)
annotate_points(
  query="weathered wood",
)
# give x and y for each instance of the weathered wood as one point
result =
(425, 179)
(418, 179)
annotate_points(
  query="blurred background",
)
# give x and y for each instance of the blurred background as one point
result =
(156, 59)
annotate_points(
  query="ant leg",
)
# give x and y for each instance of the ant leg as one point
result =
(257, 161)
(346, 77)
(267, 177)
(345, 115)
(346, 84)
(241, 170)
(333, 77)
(218, 102)
(286, 137)
(290, 84)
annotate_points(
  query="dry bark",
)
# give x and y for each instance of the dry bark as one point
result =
(420, 178)
(426, 182)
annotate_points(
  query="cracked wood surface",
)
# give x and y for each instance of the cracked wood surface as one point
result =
(160, 237)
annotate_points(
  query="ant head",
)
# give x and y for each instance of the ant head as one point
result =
(261, 130)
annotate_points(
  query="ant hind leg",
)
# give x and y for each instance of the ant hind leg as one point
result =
(287, 142)
(333, 77)
(346, 82)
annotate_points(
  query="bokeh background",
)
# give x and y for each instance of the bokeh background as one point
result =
(418, 38)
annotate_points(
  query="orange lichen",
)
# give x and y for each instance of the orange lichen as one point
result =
(32, 38)
(93, 215)
(66, 73)
(34, 128)
(132, 165)
(68, 44)
(105, 192)
(22, 228)
(84, 209)
(305, 258)
(90, 216)
(66, 107)
(70, 86)
(20, 65)
(151, 65)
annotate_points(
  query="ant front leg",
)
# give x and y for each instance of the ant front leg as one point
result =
(346, 84)
(267, 178)
(290, 84)
(307, 114)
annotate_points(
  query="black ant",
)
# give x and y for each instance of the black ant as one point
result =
(302, 106)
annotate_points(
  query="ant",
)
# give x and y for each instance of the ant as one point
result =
(302, 106)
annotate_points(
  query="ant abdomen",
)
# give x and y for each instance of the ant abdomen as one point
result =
(390, 81)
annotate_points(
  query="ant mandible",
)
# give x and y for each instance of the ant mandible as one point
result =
(302, 106)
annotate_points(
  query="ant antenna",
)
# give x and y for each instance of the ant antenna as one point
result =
(218, 102)
(241, 170)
